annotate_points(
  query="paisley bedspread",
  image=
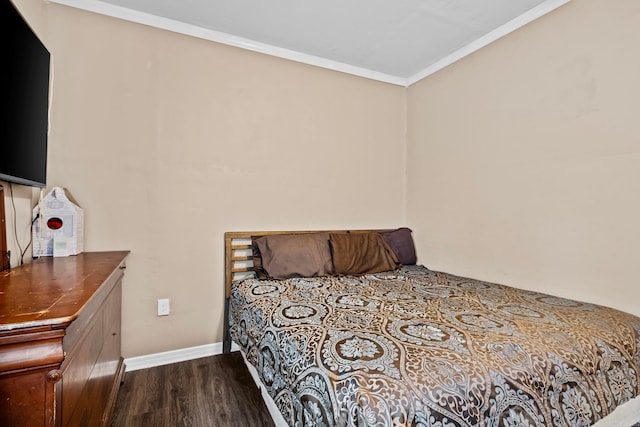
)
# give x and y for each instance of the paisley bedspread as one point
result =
(421, 348)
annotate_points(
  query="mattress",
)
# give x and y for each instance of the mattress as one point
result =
(418, 347)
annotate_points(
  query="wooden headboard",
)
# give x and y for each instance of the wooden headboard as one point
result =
(238, 262)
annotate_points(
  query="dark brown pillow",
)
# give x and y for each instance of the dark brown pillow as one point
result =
(257, 260)
(361, 253)
(401, 243)
(295, 255)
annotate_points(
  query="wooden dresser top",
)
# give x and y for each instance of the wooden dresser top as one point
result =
(51, 291)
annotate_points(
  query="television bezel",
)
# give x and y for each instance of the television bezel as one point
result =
(38, 141)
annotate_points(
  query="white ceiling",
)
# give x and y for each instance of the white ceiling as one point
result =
(395, 41)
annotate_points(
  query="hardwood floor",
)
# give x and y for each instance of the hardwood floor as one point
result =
(215, 391)
(212, 391)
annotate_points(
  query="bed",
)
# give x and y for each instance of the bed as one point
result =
(415, 347)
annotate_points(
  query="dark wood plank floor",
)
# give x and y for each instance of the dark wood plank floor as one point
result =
(215, 391)
(212, 391)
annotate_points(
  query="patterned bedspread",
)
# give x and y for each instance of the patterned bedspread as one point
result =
(421, 348)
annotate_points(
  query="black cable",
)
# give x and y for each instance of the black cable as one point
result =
(15, 228)
(30, 235)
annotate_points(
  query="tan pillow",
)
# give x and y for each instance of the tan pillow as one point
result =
(361, 253)
(295, 255)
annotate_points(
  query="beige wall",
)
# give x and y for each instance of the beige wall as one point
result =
(167, 141)
(521, 159)
(524, 158)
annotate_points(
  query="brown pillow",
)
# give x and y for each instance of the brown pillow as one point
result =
(401, 243)
(257, 260)
(295, 255)
(361, 253)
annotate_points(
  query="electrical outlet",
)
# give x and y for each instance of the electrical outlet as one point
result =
(163, 307)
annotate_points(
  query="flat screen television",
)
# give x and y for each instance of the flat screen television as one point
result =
(24, 95)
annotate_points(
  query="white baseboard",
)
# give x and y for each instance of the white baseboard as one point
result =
(174, 356)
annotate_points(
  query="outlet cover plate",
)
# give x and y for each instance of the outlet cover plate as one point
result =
(163, 307)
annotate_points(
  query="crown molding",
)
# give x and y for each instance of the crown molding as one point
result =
(227, 39)
(131, 15)
(516, 23)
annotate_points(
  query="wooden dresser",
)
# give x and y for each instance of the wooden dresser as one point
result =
(60, 358)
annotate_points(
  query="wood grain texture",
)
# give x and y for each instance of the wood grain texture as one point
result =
(52, 291)
(60, 330)
(211, 391)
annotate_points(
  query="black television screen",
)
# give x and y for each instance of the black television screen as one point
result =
(24, 83)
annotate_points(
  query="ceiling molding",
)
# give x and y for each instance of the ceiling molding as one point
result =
(228, 39)
(490, 37)
(131, 15)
